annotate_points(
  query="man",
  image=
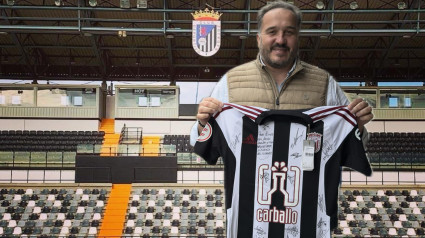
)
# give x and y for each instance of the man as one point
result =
(277, 79)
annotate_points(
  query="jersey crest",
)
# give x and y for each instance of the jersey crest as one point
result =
(205, 133)
(317, 138)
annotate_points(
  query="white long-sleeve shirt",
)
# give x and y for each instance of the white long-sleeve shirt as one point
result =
(335, 97)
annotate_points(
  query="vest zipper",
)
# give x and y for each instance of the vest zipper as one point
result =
(277, 101)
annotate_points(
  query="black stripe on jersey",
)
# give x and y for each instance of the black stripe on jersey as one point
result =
(280, 153)
(247, 178)
(310, 191)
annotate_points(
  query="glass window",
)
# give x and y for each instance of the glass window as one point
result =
(402, 98)
(141, 97)
(66, 97)
(16, 97)
(369, 95)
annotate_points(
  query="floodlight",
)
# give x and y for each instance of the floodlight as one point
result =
(93, 3)
(58, 3)
(142, 4)
(125, 3)
(10, 2)
(401, 5)
(320, 5)
(354, 5)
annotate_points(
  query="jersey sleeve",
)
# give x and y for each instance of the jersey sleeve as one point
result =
(208, 142)
(353, 153)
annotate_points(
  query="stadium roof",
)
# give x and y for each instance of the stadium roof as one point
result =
(381, 40)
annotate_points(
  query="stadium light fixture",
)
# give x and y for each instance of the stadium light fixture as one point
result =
(58, 3)
(10, 2)
(401, 5)
(142, 4)
(354, 5)
(320, 5)
(125, 4)
(93, 3)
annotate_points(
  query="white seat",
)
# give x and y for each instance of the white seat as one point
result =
(402, 217)
(350, 217)
(218, 210)
(174, 230)
(130, 223)
(149, 216)
(61, 216)
(17, 230)
(353, 204)
(137, 230)
(85, 197)
(185, 197)
(397, 224)
(219, 223)
(413, 193)
(373, 210)
(100, 203)
(176, 216)
(176, 209)
(36, 210)
(1, 230)
(43, 217)
(136, 197)
(6, 216)
(12, 223)
(202, 204)
(380, 193)
(413, 204)
(81, 210)
(168, 203)
(359, 199)
(151, 203)
(166, 223)
(17, 197)
(416, 211)
(392, 231)
(161, 191)
(67, 223)
(97, 216)
(378, 204)
(79, 191)
(29, 191)
(31, 203)
(51, 197)
(57, 204)
(367, 217)
(411, 232)
(392, 199)
(346, 231)
(92, 231)
(202, 191)
(343, 224)
(64, 230)
(133, 210)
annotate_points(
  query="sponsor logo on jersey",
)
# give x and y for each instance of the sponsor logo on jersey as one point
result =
(317, 138)
(206, 32)
(249, 140)
(205, 133)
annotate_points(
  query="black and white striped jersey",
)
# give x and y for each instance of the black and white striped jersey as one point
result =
(268, 195)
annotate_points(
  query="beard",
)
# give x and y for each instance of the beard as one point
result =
(281, 63)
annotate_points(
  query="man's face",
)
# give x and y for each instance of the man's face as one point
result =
(278, 38)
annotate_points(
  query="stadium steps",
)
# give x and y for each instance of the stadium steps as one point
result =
(150, 145)
(110, 143)
(115, 211)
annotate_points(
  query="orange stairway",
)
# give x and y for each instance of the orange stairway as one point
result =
(115, 211)
(110, 143)
(150, 145)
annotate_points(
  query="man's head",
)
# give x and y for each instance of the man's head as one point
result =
(278, 27)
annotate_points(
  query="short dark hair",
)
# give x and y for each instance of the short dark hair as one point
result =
(278, 4)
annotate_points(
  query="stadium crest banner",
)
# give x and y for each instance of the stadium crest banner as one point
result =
(206, 32)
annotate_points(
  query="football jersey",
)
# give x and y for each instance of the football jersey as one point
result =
(268, 194)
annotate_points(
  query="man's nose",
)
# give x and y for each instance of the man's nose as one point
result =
(281, 39)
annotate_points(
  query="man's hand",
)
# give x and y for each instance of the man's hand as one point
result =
(206, 108)
(362, 111)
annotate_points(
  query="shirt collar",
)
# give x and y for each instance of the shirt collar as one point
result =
(290, 71)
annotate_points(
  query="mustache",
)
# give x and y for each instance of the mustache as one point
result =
(283, 46)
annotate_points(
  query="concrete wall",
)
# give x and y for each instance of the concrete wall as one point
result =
(42, 124)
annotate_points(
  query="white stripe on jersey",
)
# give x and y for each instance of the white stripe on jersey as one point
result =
(322, 112)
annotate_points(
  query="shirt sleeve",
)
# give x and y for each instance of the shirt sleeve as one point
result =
(336, 97)
(221, 93)
(353, 153)
(207, 143)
